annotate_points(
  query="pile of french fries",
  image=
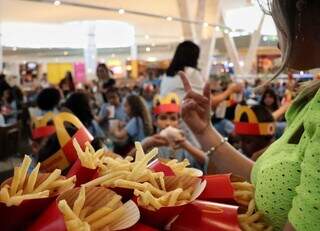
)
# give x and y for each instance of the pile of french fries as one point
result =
(149, 186)
(24, 186)
(89, 158)
(177, 191)
(119, 172)
(252, 220)
(181, 168)
(94, 208)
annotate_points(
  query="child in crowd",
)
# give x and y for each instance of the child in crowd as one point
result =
(111, 109)
(167, 114)
(255, 126)
(139, 125)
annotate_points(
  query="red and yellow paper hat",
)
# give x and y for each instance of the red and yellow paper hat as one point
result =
(67, 154)
(253, 126)
(166, 104)
(41, 127)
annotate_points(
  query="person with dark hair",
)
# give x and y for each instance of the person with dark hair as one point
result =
(78, 103)
(287, 176)
(48, 100)
(270, 100)
(67, 84)
(139, 125)
(103, 73)
(185, 59)
(4, 85)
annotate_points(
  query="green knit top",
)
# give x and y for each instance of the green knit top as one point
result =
(287, 175)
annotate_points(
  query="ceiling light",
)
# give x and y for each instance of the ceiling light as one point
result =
(14, 48)
(121, 11)
(147, 36)
(57, 3)
(152, 59)
(148, 49)
(169, 18)
(217, 28)
(153, 44)
(65, 53)
(205, 24)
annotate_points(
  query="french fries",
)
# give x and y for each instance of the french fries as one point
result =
(89, 215)
(181, 168)
(89, 158)
(111, 170)
(252, 220)
(24, 186)
(152, 188)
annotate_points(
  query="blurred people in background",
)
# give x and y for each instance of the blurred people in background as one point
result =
(78, 104)
(270, 100)
(172, 145)
(48, 101)
(185, 59)
(67, 84)
(111, 109)
(148, 93)
(139, 125)
(255, 136)
(103, 72)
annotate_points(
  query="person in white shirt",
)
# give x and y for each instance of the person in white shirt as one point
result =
(185, 59)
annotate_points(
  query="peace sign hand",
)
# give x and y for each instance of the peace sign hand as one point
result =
(195, 107)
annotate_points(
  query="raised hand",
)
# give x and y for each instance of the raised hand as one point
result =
(195, 107)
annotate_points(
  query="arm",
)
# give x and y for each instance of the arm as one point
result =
(194, 151)
(225, 158)
(281, 111)
(216, 99)
(232, 88)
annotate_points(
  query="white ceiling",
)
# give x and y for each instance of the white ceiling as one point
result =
(160, 30)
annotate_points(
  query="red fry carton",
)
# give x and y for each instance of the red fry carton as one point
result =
(207, 216)
(141, 227)
(158, 166)
(96, 197)
(17, 217)
(219, 188)
(83, 174)
(161, 217)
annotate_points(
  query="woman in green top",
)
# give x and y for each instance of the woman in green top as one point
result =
(287, 175)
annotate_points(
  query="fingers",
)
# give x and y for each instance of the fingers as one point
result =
(197, 97)
(207, 91)
(185, 81)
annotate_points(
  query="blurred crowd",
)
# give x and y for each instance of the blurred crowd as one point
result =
(251, 114)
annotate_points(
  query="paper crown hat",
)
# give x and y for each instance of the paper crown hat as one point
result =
(41, 126)
(166, 104)
(253, 126)
(67, 154)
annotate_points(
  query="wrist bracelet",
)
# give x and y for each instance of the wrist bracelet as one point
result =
(213, 149)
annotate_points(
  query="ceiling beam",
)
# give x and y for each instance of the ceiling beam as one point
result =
(127, 11)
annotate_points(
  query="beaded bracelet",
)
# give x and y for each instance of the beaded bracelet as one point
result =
(211, 150)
